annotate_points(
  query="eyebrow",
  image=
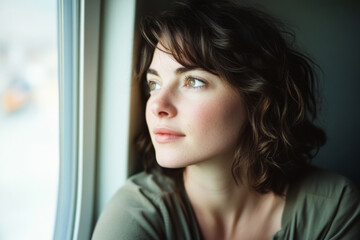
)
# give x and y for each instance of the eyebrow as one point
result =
(178, 71)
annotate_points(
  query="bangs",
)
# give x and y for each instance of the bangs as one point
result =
(186, 44)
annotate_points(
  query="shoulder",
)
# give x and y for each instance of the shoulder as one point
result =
(133, 212)
(324, 184)
(148, 206)
(144, 187)
(323, 205)
(154, 183)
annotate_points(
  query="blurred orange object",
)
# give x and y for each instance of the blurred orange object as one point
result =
(14, 99)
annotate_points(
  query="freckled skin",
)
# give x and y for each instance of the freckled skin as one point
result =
(210, 117)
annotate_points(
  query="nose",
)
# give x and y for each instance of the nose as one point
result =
(162, 104)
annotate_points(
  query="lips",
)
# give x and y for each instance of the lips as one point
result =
(167, 135)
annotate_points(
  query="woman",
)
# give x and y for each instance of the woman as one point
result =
(229, 134)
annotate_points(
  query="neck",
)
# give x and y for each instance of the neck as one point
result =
(209, 187)
(219, 201)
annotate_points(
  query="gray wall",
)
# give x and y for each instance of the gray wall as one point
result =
(329, 31)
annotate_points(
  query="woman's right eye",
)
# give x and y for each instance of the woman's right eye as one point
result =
(153, 85)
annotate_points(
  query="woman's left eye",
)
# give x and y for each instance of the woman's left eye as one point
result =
(153, 86)
(194, 82)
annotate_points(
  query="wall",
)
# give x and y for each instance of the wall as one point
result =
(329, 31)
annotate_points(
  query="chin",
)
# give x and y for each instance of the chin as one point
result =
(170, 162)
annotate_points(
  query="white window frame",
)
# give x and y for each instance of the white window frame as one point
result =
(79, 28)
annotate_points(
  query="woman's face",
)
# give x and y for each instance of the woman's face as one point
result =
(192, 115)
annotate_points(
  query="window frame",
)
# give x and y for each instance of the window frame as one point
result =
(79, 28)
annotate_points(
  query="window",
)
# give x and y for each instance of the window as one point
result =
(49, 116)
(29, 126)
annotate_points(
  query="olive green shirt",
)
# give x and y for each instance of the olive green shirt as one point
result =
(321, 205)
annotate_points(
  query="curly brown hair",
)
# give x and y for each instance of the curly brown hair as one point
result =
(255, 54)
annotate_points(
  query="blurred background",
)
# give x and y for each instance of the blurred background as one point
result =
(29, 155)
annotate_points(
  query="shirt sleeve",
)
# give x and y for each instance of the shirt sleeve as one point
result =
(346, 222)
(130, 214)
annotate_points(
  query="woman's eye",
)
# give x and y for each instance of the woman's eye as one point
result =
(194, 83)
(153, 86)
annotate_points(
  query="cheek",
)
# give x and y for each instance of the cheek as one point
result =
(220, 118)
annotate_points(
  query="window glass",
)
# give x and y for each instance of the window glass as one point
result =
(29, 132)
